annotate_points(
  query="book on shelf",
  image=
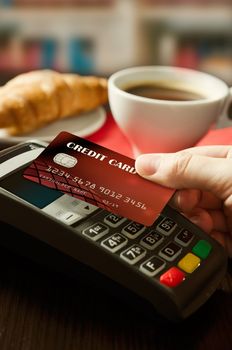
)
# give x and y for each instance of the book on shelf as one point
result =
(81, 55)
(19, 54)
(186, 2)
(41, 3)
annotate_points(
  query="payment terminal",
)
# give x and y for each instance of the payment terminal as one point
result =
(173, 265)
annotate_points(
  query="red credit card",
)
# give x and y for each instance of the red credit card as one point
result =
(99, 176)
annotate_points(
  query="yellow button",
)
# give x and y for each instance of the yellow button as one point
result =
(189, 263)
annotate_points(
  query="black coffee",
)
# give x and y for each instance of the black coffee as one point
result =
(162, 92)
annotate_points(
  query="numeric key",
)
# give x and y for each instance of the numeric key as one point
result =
(96, 231)
(115, 242)
(166, 226)
(152, 240)
(133, 230)
(114, 220)
(133, 254)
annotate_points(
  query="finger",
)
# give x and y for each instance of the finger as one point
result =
(185, 170)
(188, 199)
(217, 151)
(209, 201)
(224, 239)
(185, 200)
(227, 208)
(201, 218)
(219, 236)
(228, 243)
(219, 220)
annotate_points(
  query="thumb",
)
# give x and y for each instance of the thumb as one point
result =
(186, 170)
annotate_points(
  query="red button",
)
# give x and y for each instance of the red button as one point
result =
(172, 277)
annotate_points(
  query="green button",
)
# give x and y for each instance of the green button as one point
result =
(202, 249)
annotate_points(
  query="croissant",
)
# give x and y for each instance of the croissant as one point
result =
(32, 100)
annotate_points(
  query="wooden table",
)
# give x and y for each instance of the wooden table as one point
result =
(41, 309)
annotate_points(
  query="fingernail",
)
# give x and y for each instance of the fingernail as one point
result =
(147, 164)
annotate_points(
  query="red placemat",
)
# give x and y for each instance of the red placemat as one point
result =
(110, 136)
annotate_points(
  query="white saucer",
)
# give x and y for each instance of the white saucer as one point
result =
(82, 125)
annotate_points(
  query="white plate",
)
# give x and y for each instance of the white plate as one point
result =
(82, 125)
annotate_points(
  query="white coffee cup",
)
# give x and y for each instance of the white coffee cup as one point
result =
(156, 125)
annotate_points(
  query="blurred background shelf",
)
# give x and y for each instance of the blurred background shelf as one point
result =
(198, 37)
(83, 39)
(100, 37)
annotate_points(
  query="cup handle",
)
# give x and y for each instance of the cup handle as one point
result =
(228, 108)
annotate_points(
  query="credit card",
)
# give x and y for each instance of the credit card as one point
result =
(98, 176)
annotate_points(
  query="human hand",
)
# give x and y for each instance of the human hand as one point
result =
(203, 179)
